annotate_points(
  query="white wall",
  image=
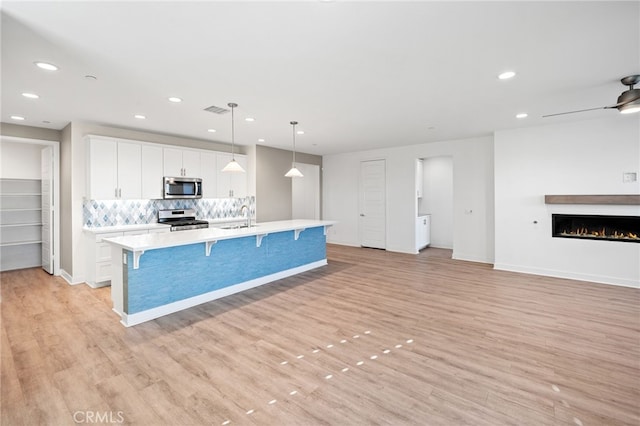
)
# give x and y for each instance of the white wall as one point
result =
(587, 157)
(438, 199)
(20, 160)
(473, 190)
(305, 193)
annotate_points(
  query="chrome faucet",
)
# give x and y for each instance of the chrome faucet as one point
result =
(243, 207)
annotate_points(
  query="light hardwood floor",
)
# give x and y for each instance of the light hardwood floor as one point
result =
(372, 338)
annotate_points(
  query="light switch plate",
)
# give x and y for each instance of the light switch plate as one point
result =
(628, 177)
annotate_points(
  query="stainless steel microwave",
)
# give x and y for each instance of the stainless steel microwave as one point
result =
(181, 187)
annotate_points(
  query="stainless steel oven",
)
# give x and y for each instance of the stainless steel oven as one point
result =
(181, 219)
(181, 187)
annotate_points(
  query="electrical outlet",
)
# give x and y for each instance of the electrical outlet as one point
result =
(629, 177)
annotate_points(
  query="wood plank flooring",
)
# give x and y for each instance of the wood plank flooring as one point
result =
(372, 338)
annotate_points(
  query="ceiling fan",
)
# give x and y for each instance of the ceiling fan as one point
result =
(628, 101)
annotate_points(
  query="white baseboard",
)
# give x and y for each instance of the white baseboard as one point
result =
(69, 279)
(601, 279)
(402, 250)
(469, 257)
(98, 285)
(129, 320)
(343, 243)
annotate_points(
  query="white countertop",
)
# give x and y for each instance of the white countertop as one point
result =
(121, 228)
(144, 242)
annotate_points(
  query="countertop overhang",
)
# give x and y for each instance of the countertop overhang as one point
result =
(141, 243)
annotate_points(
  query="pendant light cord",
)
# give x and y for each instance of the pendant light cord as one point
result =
(294, 142)
(233, 136)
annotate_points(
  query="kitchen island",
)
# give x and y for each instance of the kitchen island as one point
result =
(158, 274)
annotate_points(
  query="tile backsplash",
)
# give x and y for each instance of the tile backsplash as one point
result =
(97, 213)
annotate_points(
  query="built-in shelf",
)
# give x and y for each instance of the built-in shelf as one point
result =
(21, 243)
(20, 223)
(626, 199)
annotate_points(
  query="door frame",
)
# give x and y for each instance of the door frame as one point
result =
(56, 190)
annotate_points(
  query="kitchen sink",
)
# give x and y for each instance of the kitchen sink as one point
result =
(237, 226)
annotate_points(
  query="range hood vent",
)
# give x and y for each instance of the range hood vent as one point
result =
(217, 110)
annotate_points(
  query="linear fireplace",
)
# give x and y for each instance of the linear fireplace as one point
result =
(596, 227)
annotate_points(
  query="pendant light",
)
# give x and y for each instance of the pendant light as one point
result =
(294, 172)
(233, 165)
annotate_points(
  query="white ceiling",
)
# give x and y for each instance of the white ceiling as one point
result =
(355, 75)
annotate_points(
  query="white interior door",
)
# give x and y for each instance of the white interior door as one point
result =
(305, 193)
(46, 167)
(373, 206)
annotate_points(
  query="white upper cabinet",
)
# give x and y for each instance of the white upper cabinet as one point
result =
(103, 169)
(172, 162)
(231, 184)
(209, 174)
(114, 169)
(152, 172)
(419, 178)
(127, 169)
(181, 162)
(191, 163)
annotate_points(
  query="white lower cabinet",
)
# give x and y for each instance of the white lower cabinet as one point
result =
(99, 254)
(423, 232)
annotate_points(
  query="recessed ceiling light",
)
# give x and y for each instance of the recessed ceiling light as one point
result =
(140, 116)
(175, 99)
(211, 130)
(522, 115)
(249, 119)
(46, 66)
(507, 75)
(30, 95)
(260, 140)
(17, 117)
(300, 132)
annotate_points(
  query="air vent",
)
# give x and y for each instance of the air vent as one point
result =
(217, 110)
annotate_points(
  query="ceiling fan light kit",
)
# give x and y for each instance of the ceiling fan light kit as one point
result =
(628, 101)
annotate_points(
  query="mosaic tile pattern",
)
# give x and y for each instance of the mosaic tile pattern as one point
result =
(97, 213)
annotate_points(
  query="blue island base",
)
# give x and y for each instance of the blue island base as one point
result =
(171, 279)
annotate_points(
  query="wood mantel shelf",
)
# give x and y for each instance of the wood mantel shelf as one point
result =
(626, 199)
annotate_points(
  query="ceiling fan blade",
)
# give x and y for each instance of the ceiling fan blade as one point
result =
(580, 110)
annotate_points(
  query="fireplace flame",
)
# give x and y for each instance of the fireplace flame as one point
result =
(602, 233)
